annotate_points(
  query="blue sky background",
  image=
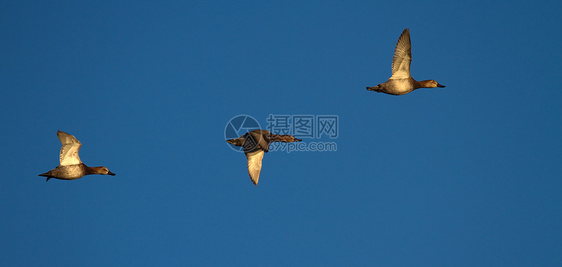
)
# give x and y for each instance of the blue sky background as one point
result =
(467, 175)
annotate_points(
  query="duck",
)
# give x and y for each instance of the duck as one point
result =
(401, 82)
(71, 167)
(255, 143)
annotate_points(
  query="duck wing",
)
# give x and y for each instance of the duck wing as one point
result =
(254, 164)
(402, 57)
(69, 149)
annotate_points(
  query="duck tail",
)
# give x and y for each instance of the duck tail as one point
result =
(47, 174)
(374, 88)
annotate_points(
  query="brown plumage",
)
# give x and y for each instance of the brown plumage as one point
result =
(401, 82)
(71, 167)
(255, 143)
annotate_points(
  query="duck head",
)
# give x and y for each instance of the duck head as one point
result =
(236, 141)
(431, 84)
(101, 170)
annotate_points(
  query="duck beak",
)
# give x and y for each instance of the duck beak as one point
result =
(440, 85)
(110, 173)
(297, 140)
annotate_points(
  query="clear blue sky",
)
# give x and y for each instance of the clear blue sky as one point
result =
(467, 175)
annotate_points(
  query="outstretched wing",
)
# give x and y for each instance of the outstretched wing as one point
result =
(402, 57)
(69, 149)
(254, 164)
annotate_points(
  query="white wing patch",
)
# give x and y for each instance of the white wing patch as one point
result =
(69, 149)
(402, 57)
(254, 164)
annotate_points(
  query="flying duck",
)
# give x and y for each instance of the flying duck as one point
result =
(255, 144)
(71, 167)
(401, 82)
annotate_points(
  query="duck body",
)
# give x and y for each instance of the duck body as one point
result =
(403, 86)
(401, 82)
(255, 145)
(395, 86)
(71, 167)
(73, 172)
